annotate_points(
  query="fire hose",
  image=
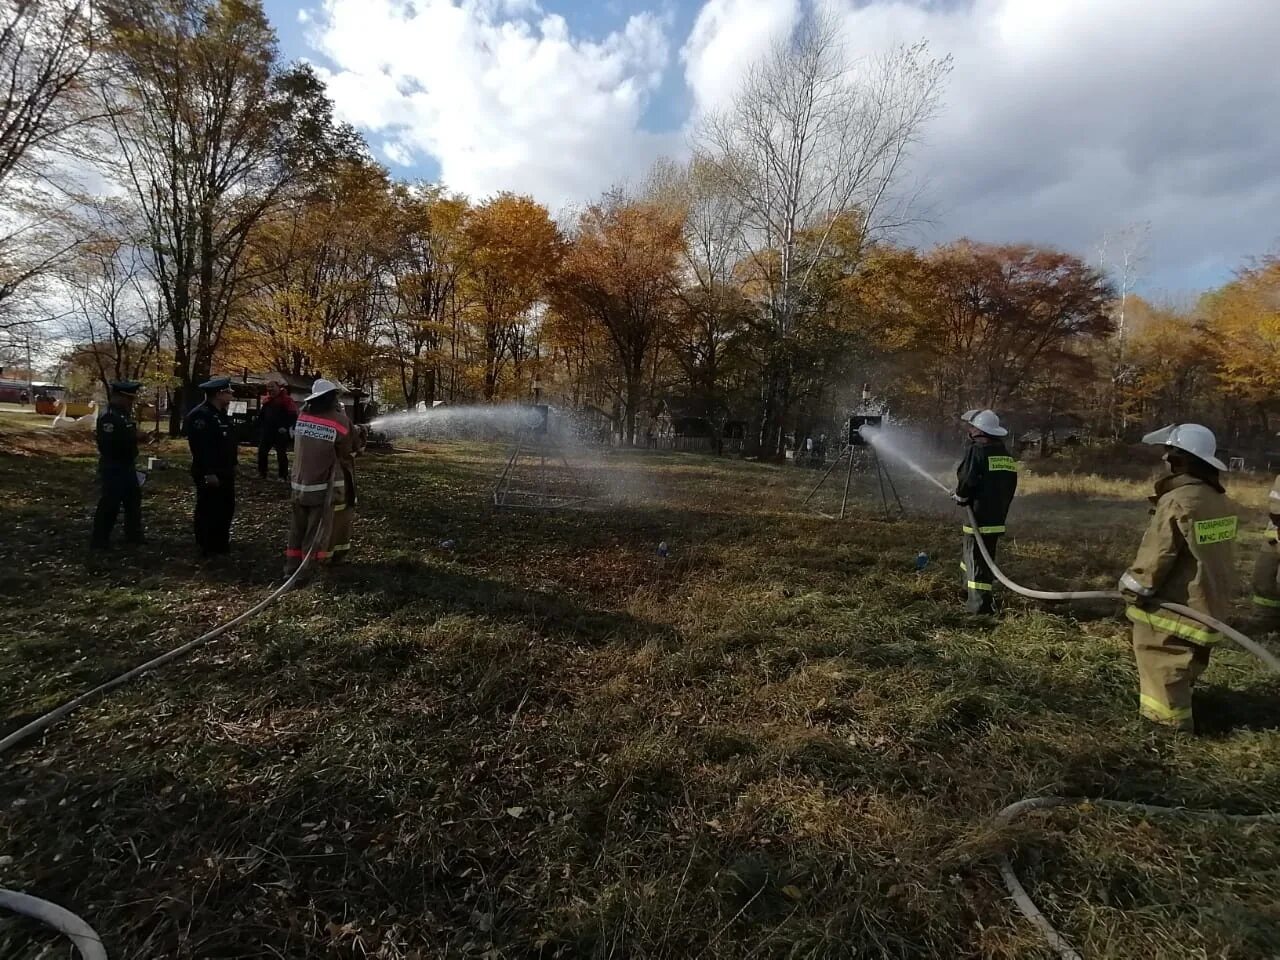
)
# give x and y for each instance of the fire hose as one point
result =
(1019, 893)
(83, 936)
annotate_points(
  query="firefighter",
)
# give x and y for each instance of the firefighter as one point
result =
(211, 436)
(277, 414)
(986, 480)
(1186, 557)
(117, 436)
(324, 447)
(1266, 568)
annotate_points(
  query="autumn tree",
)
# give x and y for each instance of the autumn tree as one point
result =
(317, 262)
(810, 137)
(112, 318)
(512, 250)
(210, 133)
(1003, 314)
(621, 271)
(1243, 323)
(710, 316)
(1121, 256)
(426, 273)
(1169, 367)
(46, 65)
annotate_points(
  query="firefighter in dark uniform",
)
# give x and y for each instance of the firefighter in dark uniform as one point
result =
(986, 481)
(211, 436)
(117, 435)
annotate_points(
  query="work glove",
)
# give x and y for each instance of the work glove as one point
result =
(211, 480)
(961, 501)
(283, 431)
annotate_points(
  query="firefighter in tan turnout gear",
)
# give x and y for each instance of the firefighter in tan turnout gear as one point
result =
(1186, 557)
(1266, 568)
(324, 447)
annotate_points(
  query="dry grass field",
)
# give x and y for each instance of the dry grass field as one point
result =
(780, 741)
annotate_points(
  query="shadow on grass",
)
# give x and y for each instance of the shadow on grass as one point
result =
(438, 590)
(1221, 711)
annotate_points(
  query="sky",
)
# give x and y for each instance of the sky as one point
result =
(1063, 121)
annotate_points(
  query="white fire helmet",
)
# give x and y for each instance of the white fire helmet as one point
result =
(320, 388)
(968, 415)
(1190, 438)
(986, 421)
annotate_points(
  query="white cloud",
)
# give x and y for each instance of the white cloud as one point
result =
(396, 153)
(1066, 118)
(1062, 119)
(726, 38)
(501, 94)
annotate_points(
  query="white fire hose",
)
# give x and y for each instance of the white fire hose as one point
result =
(1024, 902)
(86, 940)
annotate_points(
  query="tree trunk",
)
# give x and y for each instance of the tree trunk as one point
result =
(635, 384)
(773, 418)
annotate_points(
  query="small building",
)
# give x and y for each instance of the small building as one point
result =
(1031, 432)
(690, 425)
(249, 388)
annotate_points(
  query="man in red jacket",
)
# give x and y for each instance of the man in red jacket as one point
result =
(277, 413)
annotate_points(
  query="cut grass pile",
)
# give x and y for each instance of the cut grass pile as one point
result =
(781, 741)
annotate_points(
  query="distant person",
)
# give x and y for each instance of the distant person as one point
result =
(211, 437)
(1187, 557)
(22, 398)
(277, 413)
(117, 436)
(324, 448)
(985, 481)
(1266, 568)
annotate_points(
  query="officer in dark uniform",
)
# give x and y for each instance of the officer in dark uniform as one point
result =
(211, 436)
(117, 434)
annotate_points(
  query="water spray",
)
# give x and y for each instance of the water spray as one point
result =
(463, 419)
(879, 439)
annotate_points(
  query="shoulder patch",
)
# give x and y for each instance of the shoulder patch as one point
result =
(107, 427)
(1216, 531)
(198, 423)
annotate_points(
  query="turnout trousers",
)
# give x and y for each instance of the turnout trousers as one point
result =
(1266, 577)
(1168, 667)
(215, 508)
(119, 489)
(978, 579)
(334, 530)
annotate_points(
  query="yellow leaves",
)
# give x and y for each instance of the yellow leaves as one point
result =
(513, 249)
(1243, 322)
(624, 248)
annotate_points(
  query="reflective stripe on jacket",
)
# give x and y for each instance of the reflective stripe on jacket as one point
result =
(1187, 556)
(322, 443)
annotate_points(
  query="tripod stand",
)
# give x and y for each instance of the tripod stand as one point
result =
(862, 452)
(535, 444)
